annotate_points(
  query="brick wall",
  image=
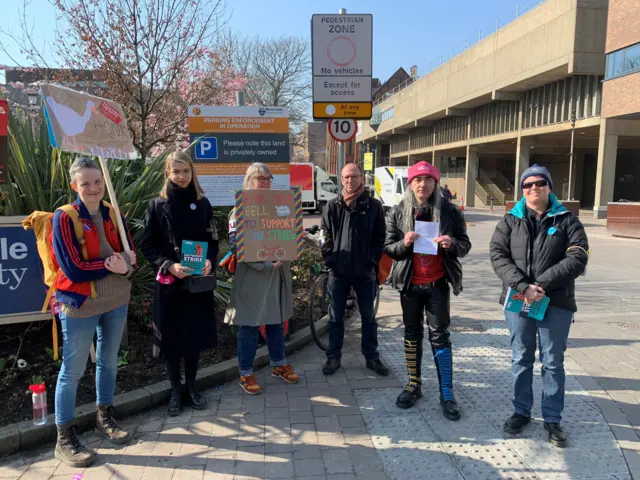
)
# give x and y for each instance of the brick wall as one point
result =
(623, 24)
(621, 96)
(351, 154)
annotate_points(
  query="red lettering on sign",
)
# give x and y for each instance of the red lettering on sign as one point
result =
(110, 112)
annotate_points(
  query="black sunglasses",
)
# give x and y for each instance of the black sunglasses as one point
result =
(537, 183)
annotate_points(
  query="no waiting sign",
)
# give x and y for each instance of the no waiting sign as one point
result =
(342, 65)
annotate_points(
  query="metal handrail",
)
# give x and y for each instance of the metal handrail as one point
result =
(482, 193)
(522, 7)
(395, 90)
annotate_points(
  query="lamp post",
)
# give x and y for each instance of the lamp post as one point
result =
(573, 131)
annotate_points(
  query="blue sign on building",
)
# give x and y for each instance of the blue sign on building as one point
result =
(22, 288)
(206, 148)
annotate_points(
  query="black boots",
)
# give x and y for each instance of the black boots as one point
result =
(412, 392)
(190, 392)
(557, 436)
(444, 366)
(377, 366)
(443, 358)
(515, 423)
(197, 401)
(175, 400)
(69, 450)
(331, 365)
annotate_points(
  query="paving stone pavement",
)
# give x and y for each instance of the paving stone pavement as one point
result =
(346, 426)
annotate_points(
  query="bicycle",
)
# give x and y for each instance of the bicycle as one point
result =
(319, 298)
(320, 302)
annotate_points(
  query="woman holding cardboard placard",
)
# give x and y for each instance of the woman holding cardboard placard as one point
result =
(261, 295)
(93, 288)
(181, 242)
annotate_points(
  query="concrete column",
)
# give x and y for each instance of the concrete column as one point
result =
(523, 155)
(470, 176)
(436, 160)
(377, 162)
(606, 172)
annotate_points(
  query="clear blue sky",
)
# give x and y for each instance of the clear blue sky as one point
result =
(406, 32)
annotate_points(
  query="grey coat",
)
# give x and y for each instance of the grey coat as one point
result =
(261, 294)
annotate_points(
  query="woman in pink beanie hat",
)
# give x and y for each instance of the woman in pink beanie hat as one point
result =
(423, 280)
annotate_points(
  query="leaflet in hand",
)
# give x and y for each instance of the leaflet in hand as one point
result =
(194, 255)
(428, 231)
(514, 302)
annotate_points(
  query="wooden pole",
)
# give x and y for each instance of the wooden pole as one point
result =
(121, 230)
(114, 202)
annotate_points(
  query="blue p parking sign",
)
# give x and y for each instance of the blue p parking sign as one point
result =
(207, 148)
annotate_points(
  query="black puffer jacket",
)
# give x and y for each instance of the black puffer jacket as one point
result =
(452, 223)
(553, 259)
(353, 238)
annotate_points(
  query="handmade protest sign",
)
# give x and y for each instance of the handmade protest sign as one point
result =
(85, 124)
(268, 225)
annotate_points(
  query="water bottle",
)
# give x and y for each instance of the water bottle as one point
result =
(39, 398)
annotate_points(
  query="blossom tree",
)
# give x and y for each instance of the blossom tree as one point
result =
(154, 57)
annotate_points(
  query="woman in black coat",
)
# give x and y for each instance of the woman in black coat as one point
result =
(184, 322)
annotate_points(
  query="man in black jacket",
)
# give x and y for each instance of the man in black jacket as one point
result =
(353, 226)
(538, 249)
(423, 280)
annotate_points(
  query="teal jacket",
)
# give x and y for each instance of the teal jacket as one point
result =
(552, 259)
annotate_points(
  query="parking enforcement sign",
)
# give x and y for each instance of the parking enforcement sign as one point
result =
(342, 65)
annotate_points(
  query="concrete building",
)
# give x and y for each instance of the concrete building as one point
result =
(515, 98)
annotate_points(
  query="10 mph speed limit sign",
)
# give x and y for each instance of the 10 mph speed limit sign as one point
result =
(342, 130)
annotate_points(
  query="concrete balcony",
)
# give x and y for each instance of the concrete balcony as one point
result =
(557, 39)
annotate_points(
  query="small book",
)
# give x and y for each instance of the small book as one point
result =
(194, 255)
(514, 302)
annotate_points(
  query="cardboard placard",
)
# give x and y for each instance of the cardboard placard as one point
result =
(85, 124)
(268, 225)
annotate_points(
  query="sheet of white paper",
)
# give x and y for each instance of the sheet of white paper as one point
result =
(427, 231)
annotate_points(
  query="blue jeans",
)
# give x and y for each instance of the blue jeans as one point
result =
(551, 334)
(77, 336)
(248, 344)
(339, 289)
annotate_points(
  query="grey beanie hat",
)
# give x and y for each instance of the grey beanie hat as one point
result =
(536, 171)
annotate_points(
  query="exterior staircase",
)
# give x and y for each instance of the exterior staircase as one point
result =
(499, 188)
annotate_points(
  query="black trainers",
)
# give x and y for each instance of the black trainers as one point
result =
(377, 366)
(450, 408)
(331, 366)
(515, 423)
(557, 436)
(409, 396)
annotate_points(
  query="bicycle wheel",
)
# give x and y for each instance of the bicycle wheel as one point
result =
(319, 303)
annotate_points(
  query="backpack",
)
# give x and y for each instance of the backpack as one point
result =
(42, 225)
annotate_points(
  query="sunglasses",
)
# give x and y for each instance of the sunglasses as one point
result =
(537, 183)
(264, 179)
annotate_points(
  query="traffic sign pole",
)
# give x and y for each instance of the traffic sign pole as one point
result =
(343, 146)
